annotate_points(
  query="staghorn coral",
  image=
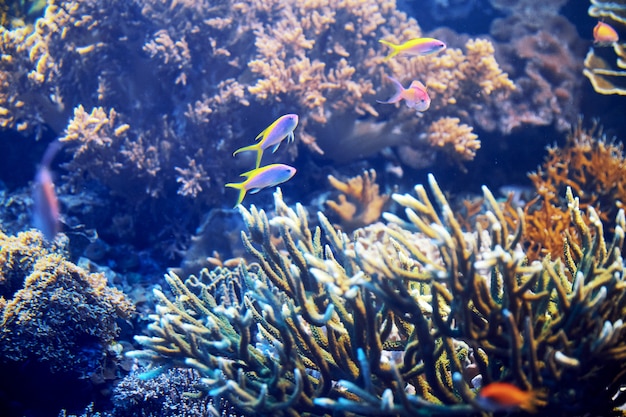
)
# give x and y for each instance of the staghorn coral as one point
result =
(455, 139)
(368, 203)
(53, 311)
(383, 327)
(604, 77)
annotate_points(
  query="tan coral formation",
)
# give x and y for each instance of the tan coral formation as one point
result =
(361, 203)
(455, 139)
(102, 143)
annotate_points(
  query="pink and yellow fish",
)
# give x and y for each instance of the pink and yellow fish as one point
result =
(416, 97)
(604, 34)
(273, 135)
(417, 46)
(259, 178)
(46, 212)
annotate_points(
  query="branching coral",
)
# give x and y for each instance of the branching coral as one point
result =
(594, 167)
(383, 327)
(53, 311)
(368, 203)
(106, 148)
(606, 78)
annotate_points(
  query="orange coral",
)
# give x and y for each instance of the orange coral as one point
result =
(595, 169)
(367, 203)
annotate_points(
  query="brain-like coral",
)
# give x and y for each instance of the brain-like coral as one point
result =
(53, 311)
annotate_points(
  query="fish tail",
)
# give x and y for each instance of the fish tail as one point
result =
(242, 190)
(254, 147)
(394, 49)
(397, 96)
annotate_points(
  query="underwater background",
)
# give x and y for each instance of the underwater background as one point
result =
(436, 232)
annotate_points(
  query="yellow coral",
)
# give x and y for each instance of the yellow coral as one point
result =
(454, 138)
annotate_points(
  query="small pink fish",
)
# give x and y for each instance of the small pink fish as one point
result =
(416, 96)
(259, 178)
(46, 212)
(604, 34)
(417, 46)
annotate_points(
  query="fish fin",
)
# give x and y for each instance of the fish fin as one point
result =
(259, 155)
(261, 135)
(255, 190)
(397, 96)
(254, 147)
(275, 148)
(291, 137)
(394, 49)
(242, 190)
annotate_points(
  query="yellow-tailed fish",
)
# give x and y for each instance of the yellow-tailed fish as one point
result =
(259, 178)
(418, 46)
(415, 97)
(273, 135)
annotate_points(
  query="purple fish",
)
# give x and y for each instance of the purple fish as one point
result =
(263, 177)
(273, 135)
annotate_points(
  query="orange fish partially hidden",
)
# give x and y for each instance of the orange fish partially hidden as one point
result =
(502, 396)
(604, 34)
(46, 212)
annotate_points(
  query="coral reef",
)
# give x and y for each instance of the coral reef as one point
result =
(604, 77)
(192, 91)
(361, 203)
(53, 311)
(399, 322)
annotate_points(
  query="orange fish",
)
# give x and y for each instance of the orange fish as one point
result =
(46, 212)
(604, 34)
(415, 96)
(502, 396)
